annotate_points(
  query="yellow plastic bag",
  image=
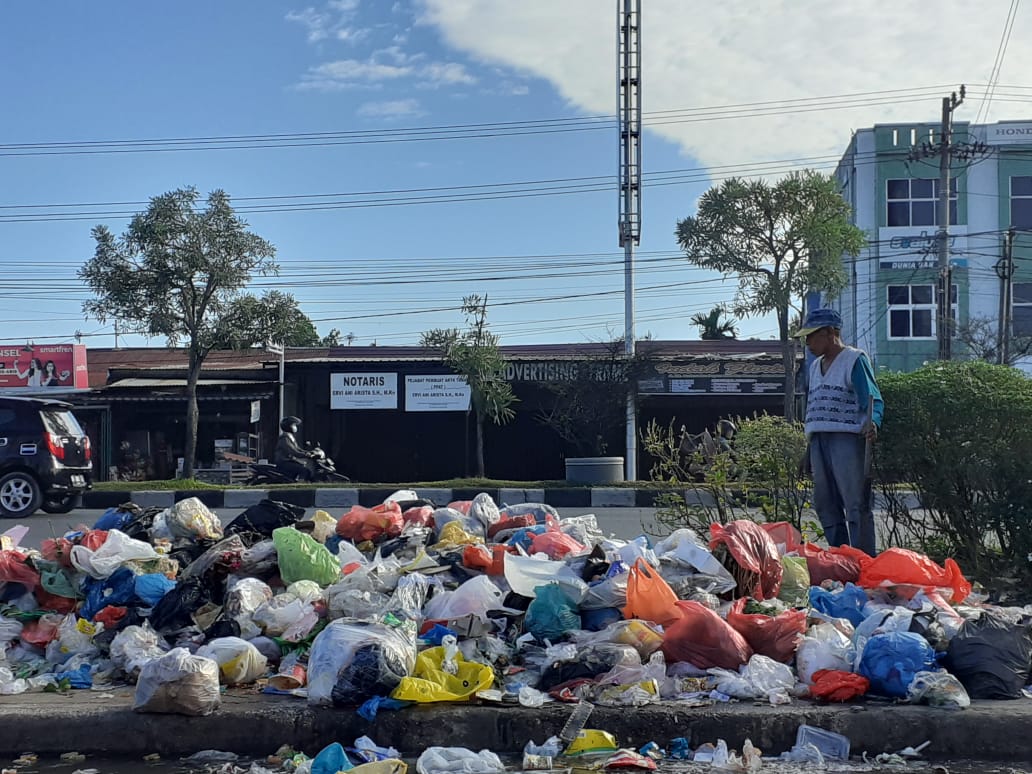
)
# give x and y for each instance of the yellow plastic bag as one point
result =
(453, 535)
(429, 682)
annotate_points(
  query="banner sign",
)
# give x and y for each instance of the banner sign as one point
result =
(37, 367)
(363, 391)
(436, 392)
(716, 377)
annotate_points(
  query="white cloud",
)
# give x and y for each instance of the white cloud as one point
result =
(352, 34)
(445, 74)
(699, 55)
(397, 108)
(332, 21)
(350, 73)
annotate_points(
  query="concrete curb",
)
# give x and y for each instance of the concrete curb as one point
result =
(103, 723)
(345, 497)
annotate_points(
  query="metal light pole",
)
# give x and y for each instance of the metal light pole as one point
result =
(278, 349)
(629, 113)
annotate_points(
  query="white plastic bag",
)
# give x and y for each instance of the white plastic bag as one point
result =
(279, 614)
(823, 647)
(474, 597)
(457, 760)
(761, 678)
(334, 648)
(134, 646)
(115, 551)
(239, 661)
(190, 518)
(938, 689)
(10, 628)
(685, 561)
(178, 682)
(584, 529)
(484, 509)
(526, 573)
(638, 549)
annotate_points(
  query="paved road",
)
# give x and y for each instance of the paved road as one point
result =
(620, 522)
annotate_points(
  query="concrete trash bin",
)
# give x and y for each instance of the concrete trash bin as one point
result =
(594, 470)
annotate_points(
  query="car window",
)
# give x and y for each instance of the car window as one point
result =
(7, 417)
(61, 422)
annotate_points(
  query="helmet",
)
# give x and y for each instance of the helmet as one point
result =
(290, 424)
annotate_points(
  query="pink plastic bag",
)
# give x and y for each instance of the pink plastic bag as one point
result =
(704, 639)
(757, 557)
(555, 545)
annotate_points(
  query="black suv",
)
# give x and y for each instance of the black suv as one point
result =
(44, 457)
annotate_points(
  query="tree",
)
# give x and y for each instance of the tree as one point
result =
(178, 272)
(980, 336)
(782, 240)
(713, 328)
(474, 353)
(274, 317)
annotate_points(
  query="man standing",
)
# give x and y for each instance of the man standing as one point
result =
(839, 429)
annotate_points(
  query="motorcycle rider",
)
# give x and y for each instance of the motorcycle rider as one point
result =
(289, 456)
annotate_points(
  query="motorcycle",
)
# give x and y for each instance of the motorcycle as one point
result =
(320, 466)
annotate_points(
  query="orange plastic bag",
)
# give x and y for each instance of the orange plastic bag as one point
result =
(704, 639)
(555, 545)
(360, 524)
(900, 566)
(649, 597)
(757, 556)
(776, 637)
(490, 561)
(836, 685)
(786, 537)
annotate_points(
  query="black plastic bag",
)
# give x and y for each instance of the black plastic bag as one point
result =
(373, 671)
(991, 657)
(176, 608)
(264, 517)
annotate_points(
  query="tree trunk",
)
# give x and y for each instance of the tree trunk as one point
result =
(788, 361)
(190, 451)
(480, 446)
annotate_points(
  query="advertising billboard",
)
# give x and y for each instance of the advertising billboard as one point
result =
(38, 367)
(436, 392)
(364, 391)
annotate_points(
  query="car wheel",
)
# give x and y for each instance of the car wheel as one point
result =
(64, 504)
(20, 495)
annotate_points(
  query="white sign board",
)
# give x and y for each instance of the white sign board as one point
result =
(436, 392)
(363, 391)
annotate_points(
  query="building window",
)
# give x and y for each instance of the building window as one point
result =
(1021, 309)
(1021, 201)
(912, 310)
(915, 202)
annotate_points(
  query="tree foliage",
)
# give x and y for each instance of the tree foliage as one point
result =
(275, 317)
(179, 272)
(781, 240)
(980, 337)
(715, 326)
(474, 354)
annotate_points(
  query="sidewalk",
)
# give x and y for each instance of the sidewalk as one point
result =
(102, 722)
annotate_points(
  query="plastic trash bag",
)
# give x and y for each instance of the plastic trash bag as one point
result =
(551, 614)
(891, 660)
(134, 646)
(895, 566)
(608, 593)
(760, 678)
(474, 597)
(10, 629)
(755, 555)
(525, 573)
(350, 661)
(176, 608)
(278, 614)
(823, 648)
(484, 510)
(178, 682)
(785, 536)
(688, 565)
(990, 656)
(239, 661)
(430, 682)
(376, 523)
(640, 635)
(117, 589)
(190, 518)
(150, 588)
(584, 529)
(458, 760)
(228, 550)
(795, 581)
(774, 636)
(555, 545)
(838, 685)
(114, 518)
(704, 639)
(301, 558)
(649, 597)
(265, 516)
(938, 689)
(330, 760)
(849, 603)
(118, 549)
(638, 549)
(824, 565)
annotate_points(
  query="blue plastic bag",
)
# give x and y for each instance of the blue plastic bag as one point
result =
(152, 587)
(113, 518)
(891, 660)
(77, 678)
(598, 619)
(552, 613)
(331, 759)
(524, 536)
(436, 634)
(847, 603)
(118, 589)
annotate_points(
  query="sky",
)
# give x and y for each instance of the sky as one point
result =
(403, 155)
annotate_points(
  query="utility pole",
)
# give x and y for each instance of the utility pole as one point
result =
(1005, 271)
(628, 13)
(944, 313)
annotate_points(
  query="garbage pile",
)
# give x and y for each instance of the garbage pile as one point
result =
(407, 602)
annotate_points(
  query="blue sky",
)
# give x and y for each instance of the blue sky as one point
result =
(550, 264)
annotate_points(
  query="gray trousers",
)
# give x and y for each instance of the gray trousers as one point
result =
(841, 492)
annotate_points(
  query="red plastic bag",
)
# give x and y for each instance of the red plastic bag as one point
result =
(757, 556)
(490, 561)
(833, 565)
(57, 550)
(776, 637)
(649, 597)
(462, 506)
(836, 685)
(556, 545)
(507, 523)
(93, 539)
(13, 569)
(704, 639)
(42, 630)
(55, 602)
(786, 537)
(111, 615)
(420, 516)
(361, 524)
(900, 566)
